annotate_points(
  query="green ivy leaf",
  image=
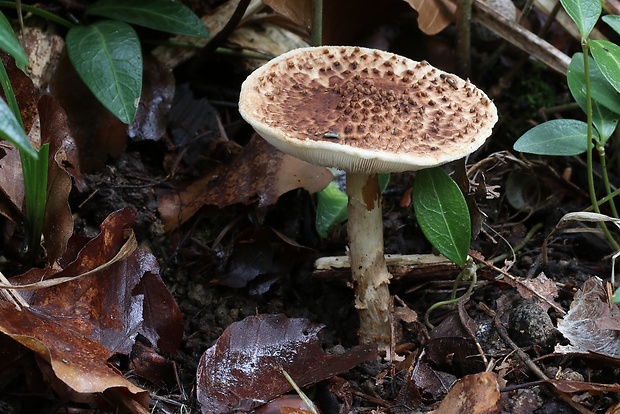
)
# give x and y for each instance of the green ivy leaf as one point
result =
(604, 119)
(164, 15)
(441, 212)
(585, 14)
(10, 44)
(563, 137)
(607, 56)
(12, 131)
(613, 21)
(108, 58)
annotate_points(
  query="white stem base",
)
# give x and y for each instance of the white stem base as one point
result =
(369, 271)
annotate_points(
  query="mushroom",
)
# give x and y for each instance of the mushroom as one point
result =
(366, 112)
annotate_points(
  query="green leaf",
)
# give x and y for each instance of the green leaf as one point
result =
(604, 119)
(165, 15)
(557, 137)
(613, 21)
(441, 212)
(108, 58)
(10, 44)
(331, 206)
(585, 14)
(12, 131)
(607, 56)
(600, 89)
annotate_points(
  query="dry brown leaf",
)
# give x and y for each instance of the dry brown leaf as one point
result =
(260, 173)
(472, 394)
(433, 15)
(592, 325)
(245, 365)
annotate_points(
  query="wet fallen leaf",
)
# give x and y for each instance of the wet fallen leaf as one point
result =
(592, 325)
(78, 325)
(243, 368)
(79, 362)
(260, 173)
(472, 394)
(157, 92)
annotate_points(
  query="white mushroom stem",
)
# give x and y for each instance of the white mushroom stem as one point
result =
(369, 271)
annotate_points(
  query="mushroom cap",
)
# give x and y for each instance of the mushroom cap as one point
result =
(365, 110)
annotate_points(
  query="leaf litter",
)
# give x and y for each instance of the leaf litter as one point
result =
(124, 308)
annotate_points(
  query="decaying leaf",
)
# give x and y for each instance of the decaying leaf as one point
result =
(79, 362)
(260, 173)
(244, 367)
(76, 326)
(157, 92)
(63, 165)
(474, 394)
(541, 287)
(592, 325)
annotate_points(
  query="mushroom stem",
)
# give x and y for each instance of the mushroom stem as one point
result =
(369, 271)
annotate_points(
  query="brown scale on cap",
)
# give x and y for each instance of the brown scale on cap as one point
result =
(367, 100)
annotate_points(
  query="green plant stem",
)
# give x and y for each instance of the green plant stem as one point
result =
(317, 23)
(467, 273)
(35, 190)
(612, 204)
(39, 12)
(34, 172)
(590, 145)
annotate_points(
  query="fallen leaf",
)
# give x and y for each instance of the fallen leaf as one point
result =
(472, 394)
(260, 173)
(157, 92)
(79, 362)
(63, 165)
(591, 325)
(244, 367)
(433, 15)
(78, 325)
(540, 287)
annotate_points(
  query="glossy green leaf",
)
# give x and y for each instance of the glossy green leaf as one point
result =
(607, 56)
(165, 15)
(585, 14)
(604, 119)
(564, 137)
(441, 212)
(12, 131)
(600, 89)
(108, 58)
(10, 44)
(331, 206)
(613, 21)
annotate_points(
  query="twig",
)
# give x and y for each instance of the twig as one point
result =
(463, 37)
(526, 360)
(223, 34)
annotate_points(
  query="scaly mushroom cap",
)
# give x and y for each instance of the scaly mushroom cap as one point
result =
(365, 110)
